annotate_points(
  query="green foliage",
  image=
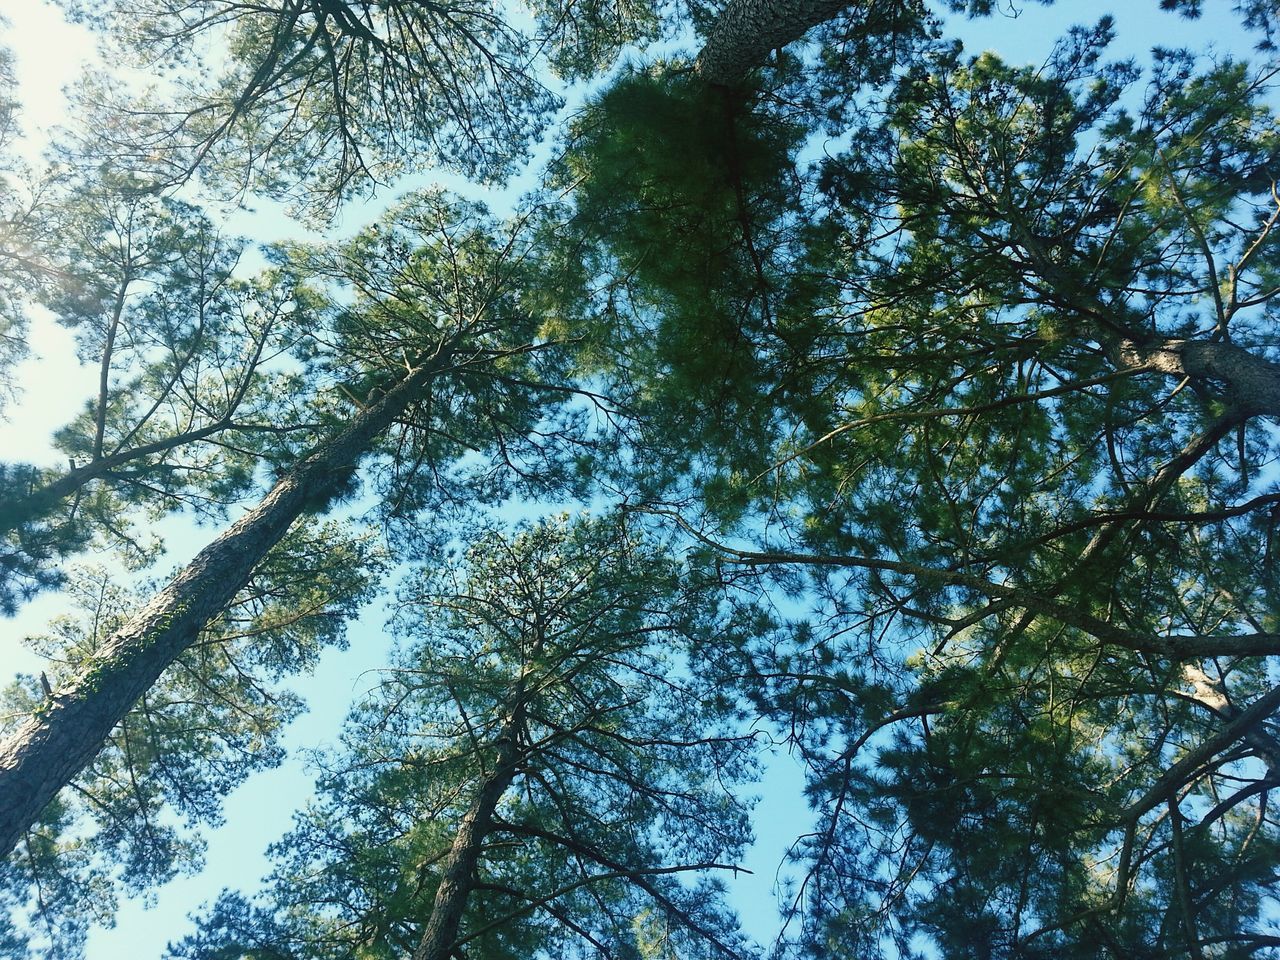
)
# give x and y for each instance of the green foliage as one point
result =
(998, 372)
(568, 638)
(684, 200)
(1261, 15)
(184, 404)
(583, 38)
(440, 281)
(29, 551)
(669, 177)
(15, 223)
(963, 404)
(135, 818)
(979, 751)
(449, 294)
(322, 100)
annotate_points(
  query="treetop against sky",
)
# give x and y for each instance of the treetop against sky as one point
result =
(913, 408)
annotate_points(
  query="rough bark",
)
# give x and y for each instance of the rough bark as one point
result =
(56, 743)
(1248, 382)
(459, 871)
(748, 30)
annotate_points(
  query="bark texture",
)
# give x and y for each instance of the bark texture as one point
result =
(56, 743)
(748, 30)
(459, 872)
(1249, 382)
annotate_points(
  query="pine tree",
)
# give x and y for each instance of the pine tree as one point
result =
(322, 100)
(137, 814)
(531, 775)
(449, 313)
(1020, 444)
(22, 200)
(182, 405)
(990, 388)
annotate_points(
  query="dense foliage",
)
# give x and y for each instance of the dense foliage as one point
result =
(920, 407)
(543, 697)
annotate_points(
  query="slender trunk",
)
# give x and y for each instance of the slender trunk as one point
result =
(748, 30)
(37, 504)
(64, 735)
(459, 872)
(104, 367)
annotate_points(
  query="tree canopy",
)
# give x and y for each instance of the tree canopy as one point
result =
(532, 773)
(915, 409)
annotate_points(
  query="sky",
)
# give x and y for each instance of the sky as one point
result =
(50, 55)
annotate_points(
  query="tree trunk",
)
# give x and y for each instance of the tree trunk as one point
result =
(64, 735)
(748, 30)
(1249, 382)
(460, 868)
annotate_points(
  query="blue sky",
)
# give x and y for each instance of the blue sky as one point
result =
(48, 56)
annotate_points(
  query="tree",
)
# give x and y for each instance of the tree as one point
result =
(183, 400)
(8, 126)
(1040, 722)
(531, 775)
(451, 309)
(132, 818)
(332, 97)
(989, 388)
(746, 32)
(22, 200)
(1255, 14)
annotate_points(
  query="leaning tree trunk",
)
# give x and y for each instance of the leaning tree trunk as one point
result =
(67, 731)
(748, 30)
(458, 876)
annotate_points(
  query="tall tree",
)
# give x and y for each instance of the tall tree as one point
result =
(1091, 550)
(12, 341)
(133, 817)
(1021, 434)
(531, 775)
(447, 312)
(23, 197)
(999, 375)
(184, 401)
(327, 97)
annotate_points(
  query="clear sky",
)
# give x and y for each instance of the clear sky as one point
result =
(49, 55)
